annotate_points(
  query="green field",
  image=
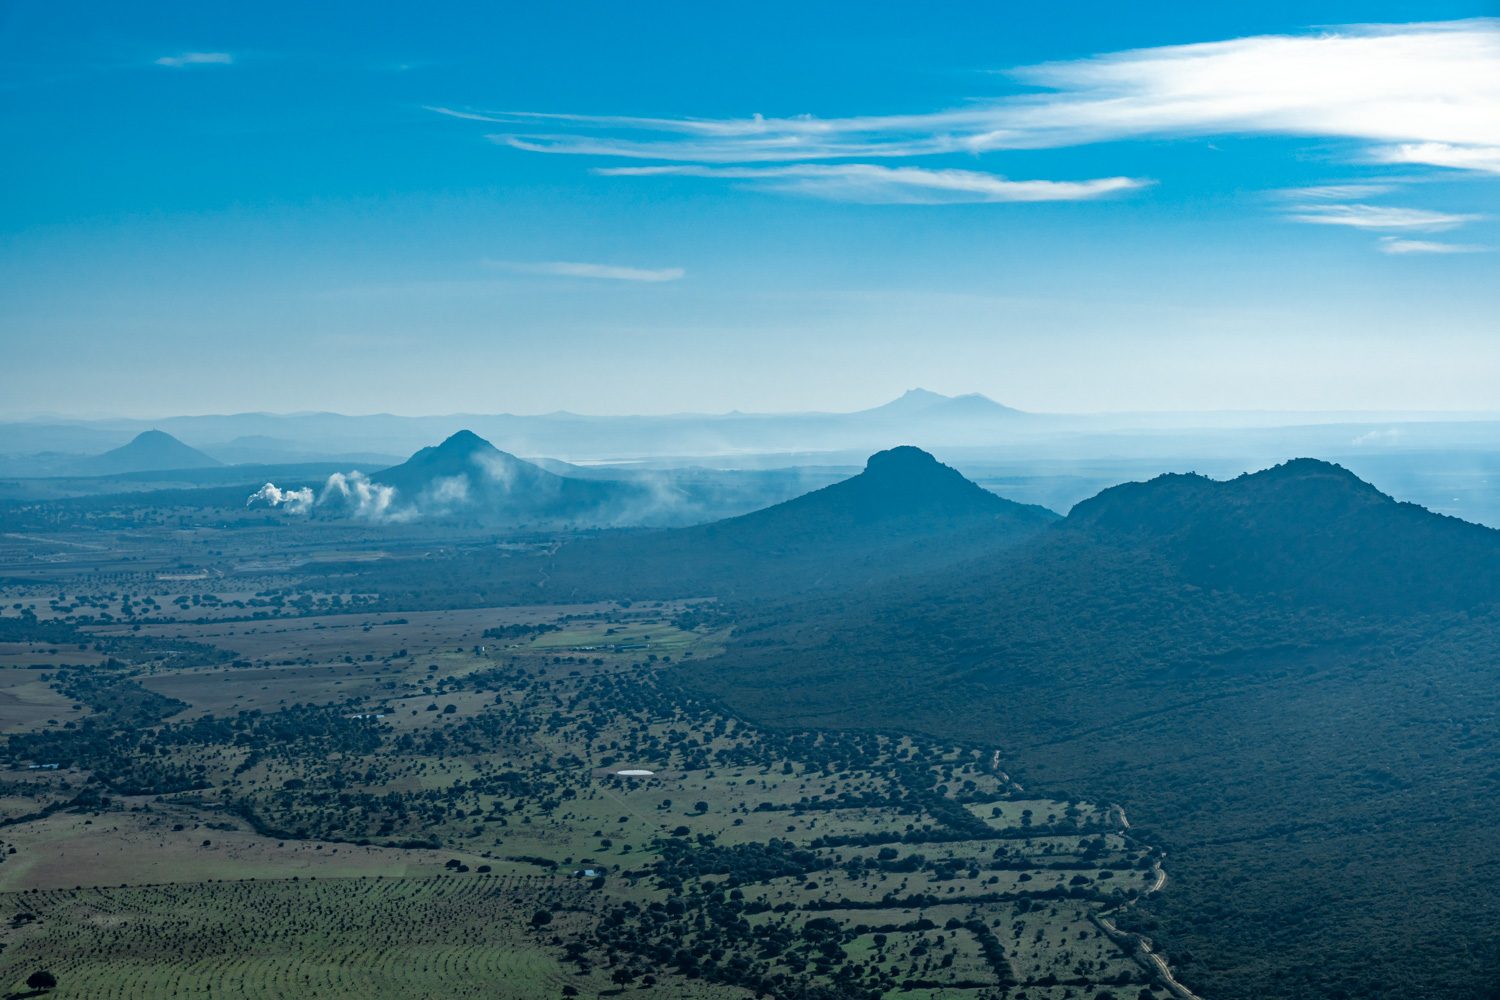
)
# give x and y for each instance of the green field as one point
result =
(440, 936)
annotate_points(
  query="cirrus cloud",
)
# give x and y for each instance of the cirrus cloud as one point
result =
(1424, 93)
(576, 269)
(1381, 217)
(872, 184)
(1397, 245)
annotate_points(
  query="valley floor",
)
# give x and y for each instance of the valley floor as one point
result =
(405, 806)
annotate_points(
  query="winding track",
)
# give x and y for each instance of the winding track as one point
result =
(1140, 949)
(1139, 946)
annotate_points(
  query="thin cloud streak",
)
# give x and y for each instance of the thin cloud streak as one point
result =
(871, 184)
(575, 269)
(1381, 217)
(1336, 192)
(197, 59)
(1417, 93)
(466, 115)
(1396, 245)
(767, 149)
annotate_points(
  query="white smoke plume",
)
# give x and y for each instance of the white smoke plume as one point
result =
(350, 494)
(496, 469)
(491, 491)
(445, 492)
(366, 500)
(296, 501)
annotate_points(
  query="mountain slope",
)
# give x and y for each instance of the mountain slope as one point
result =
(1276, 675)
(150, 451)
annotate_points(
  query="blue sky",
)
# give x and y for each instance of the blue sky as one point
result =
(1068, 207)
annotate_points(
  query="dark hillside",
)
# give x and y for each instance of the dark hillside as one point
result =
(1306, 529)
(1289, 678)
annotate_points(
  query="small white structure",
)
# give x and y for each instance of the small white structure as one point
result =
(634, 772)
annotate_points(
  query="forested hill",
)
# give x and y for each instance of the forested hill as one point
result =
(1289, 677)
(1306, 529)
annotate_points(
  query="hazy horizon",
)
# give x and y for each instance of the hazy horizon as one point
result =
(1436, 413)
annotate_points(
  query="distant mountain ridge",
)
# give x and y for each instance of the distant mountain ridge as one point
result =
(1439, 460)
(919, 415)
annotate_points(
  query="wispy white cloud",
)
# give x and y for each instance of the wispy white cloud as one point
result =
(1335, 192)
(574, 269)
(1381, 217)
(197, 59)
(468, 115)
(1413, 86)
(872, 184)
(1414, 93)
(772, 147)
(1397, 245)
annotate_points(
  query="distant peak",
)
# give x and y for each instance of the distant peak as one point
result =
(913, 401)
(151, 451)
(925, 403)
